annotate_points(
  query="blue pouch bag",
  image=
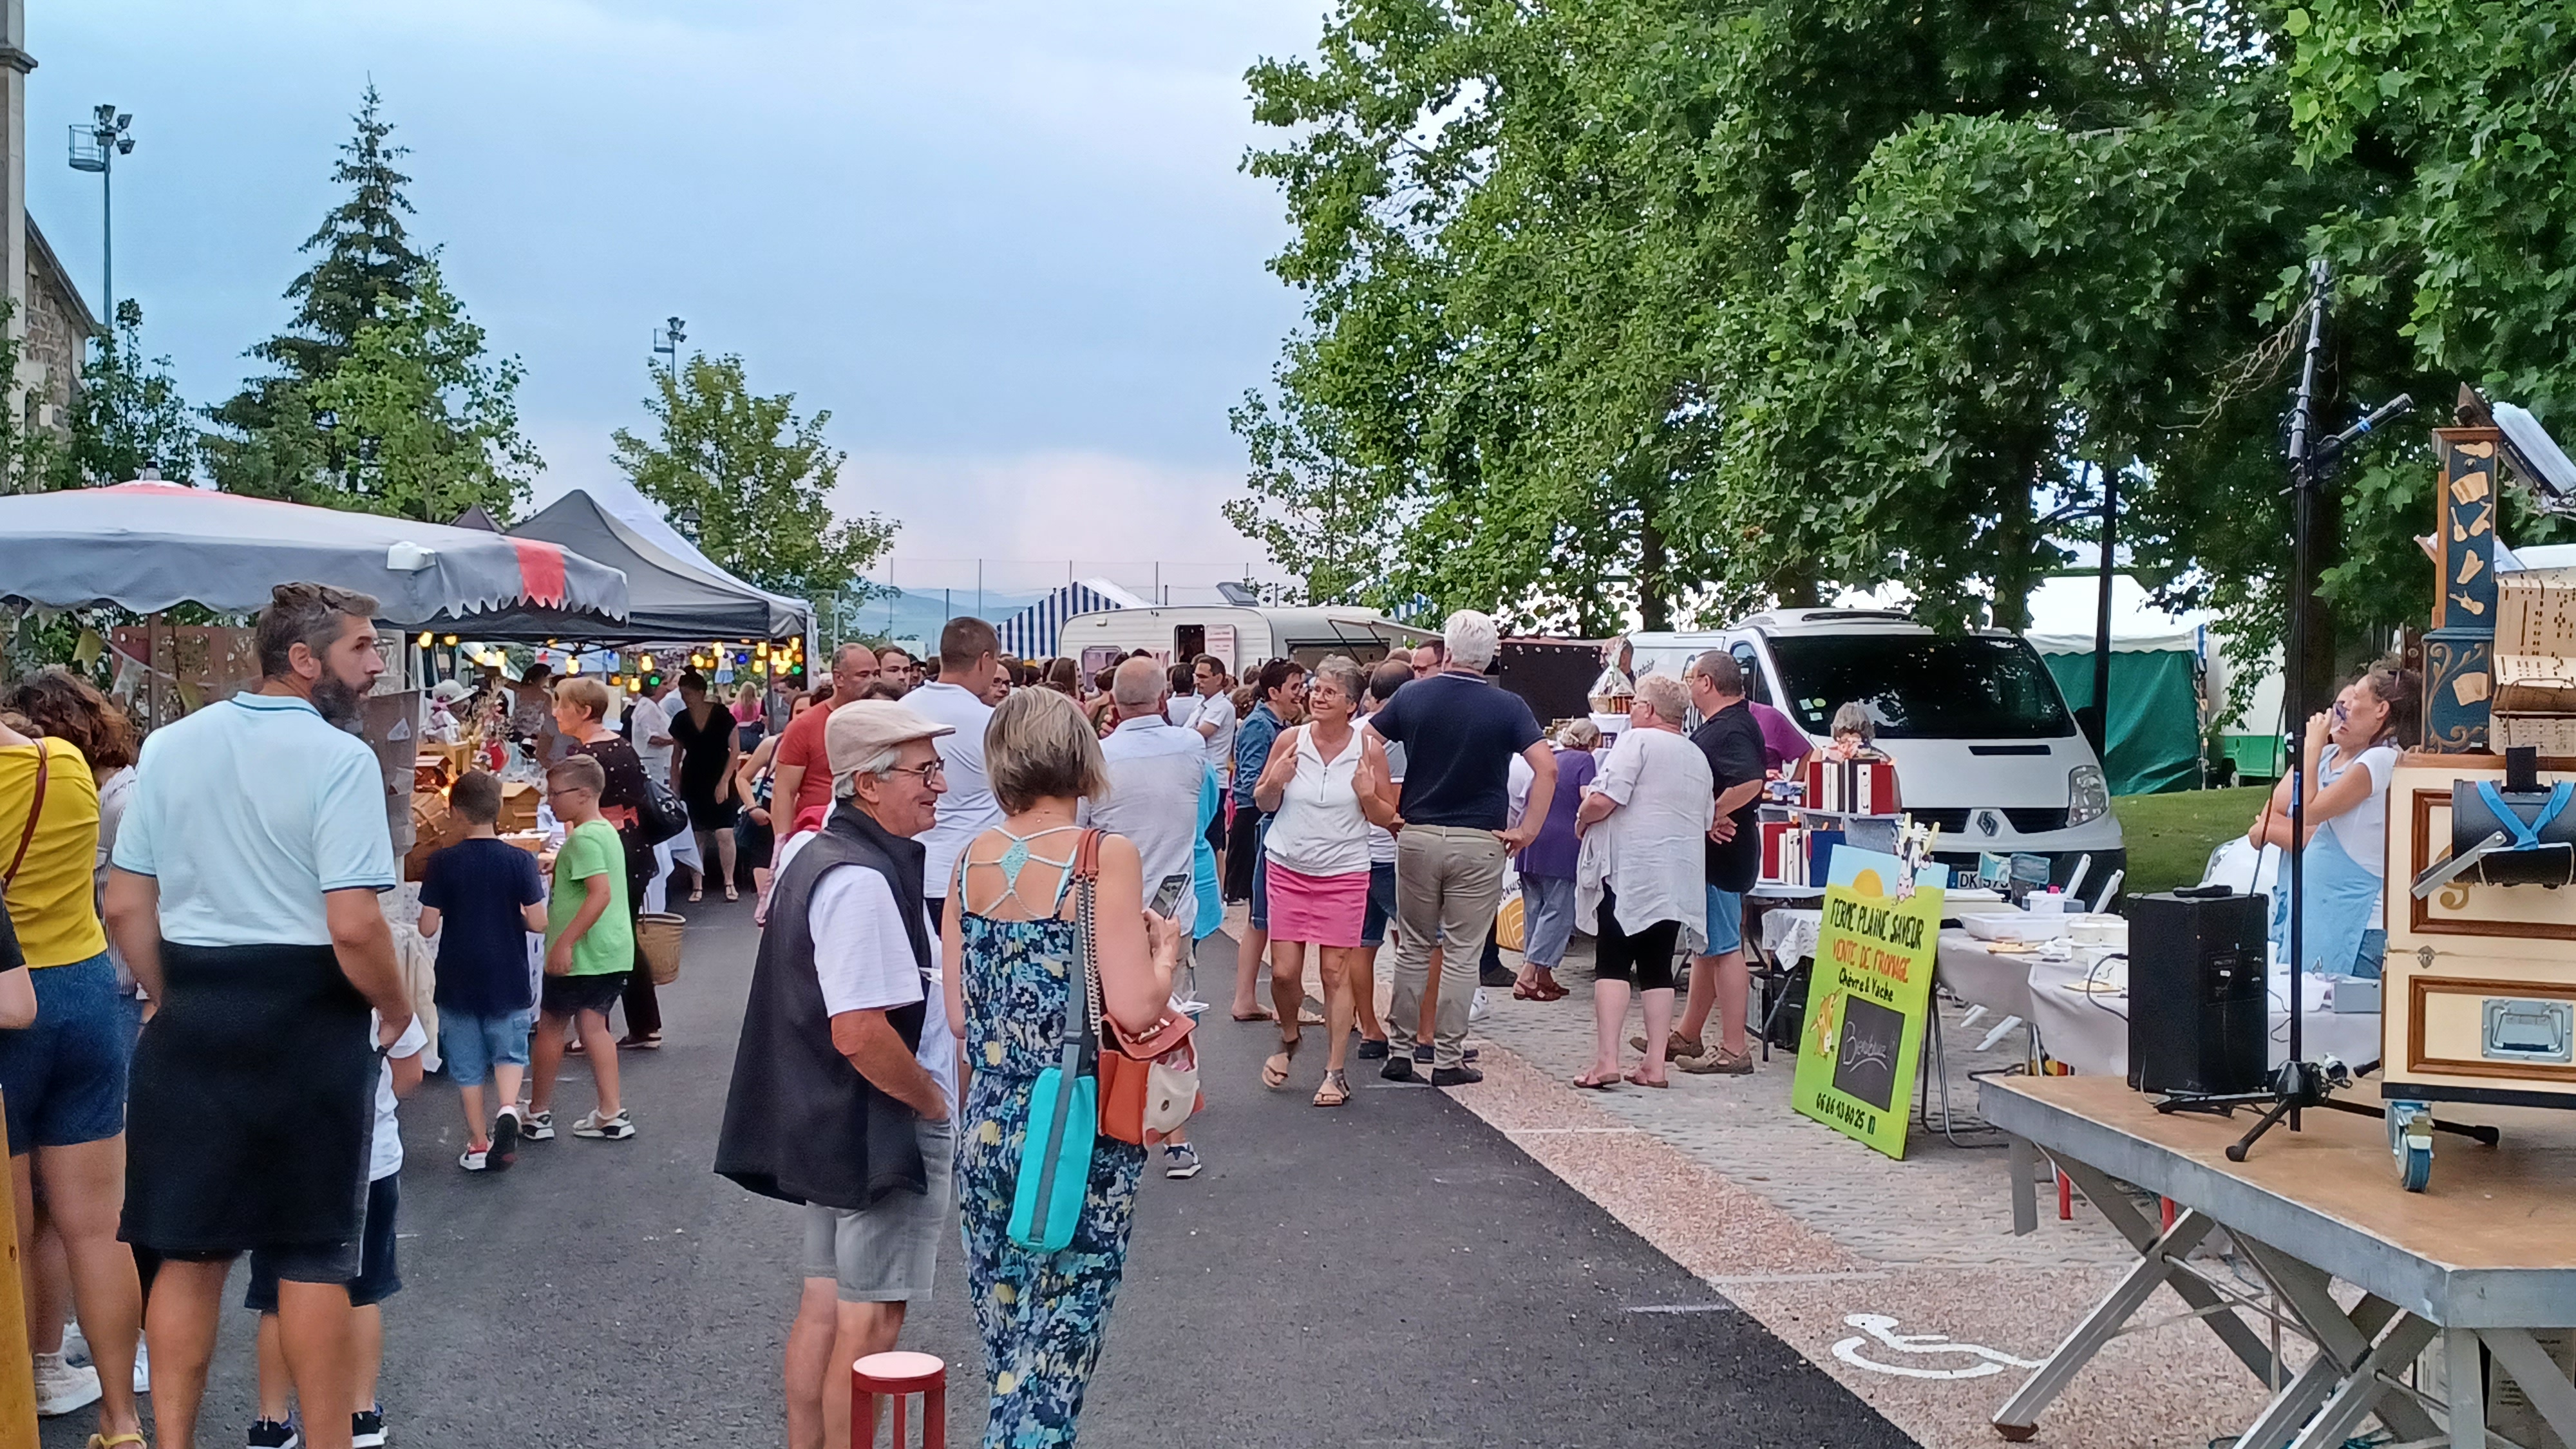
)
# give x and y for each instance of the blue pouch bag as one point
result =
(1064, 1103)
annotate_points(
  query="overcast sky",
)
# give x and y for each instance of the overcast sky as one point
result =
(1006, 242)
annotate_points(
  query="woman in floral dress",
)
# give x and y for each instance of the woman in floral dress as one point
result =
(1010, 928)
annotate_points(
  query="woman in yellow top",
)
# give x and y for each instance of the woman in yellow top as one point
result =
(63, 1067)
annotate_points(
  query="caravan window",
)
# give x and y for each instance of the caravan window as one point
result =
(1919, 686)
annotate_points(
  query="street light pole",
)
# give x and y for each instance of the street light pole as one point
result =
(95, 147)
(666, 343)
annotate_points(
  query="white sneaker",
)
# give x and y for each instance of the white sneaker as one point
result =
(608, 1129)
(75, 1344)
(142, 1367)
(1479, 1006)
(62, 1388)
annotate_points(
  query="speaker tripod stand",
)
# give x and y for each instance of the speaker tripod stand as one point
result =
(2299, 1085)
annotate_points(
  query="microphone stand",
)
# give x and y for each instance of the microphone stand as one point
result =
(2298, 1083)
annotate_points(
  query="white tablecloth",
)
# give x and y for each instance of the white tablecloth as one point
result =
(1994, 980)
(1789, 936)
(2089, 1031)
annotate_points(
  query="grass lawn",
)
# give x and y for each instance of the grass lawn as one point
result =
(2170, 836)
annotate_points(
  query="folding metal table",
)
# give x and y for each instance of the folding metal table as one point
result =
(2477, 1264)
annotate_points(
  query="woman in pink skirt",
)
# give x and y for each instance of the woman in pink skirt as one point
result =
(1328, 782)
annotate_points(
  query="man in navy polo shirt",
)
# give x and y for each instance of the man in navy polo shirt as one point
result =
(1459, 735)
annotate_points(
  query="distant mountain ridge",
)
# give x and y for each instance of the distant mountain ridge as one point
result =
(906, 614)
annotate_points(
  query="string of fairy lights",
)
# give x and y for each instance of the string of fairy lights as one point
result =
(638, 669)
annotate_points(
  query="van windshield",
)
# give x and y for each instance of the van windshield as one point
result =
(1921, 687)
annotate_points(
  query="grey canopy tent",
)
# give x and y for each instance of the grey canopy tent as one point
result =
(673, 591)
(147, 546)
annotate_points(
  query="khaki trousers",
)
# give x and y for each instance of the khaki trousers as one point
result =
(1448, 880)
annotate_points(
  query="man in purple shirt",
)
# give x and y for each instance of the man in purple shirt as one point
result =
(1783, 743)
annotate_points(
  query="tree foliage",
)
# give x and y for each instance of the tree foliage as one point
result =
(1673, 305)
(380, 395)
(129, 415)
(756, 478)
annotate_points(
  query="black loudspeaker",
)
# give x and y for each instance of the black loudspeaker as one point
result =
(2198, 1018)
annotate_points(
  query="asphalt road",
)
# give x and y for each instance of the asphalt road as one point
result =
(1393, 1274)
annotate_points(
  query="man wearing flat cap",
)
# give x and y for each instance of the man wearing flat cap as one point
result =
(845, 1082)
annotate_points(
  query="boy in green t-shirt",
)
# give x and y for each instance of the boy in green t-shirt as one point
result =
(590, 951)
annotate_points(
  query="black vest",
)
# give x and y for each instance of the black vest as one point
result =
(800, 1123)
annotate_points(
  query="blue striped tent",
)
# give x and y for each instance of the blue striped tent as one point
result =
(1032, 632)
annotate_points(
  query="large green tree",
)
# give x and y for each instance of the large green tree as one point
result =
(1672, 305)
(751, 479)
(380, 395)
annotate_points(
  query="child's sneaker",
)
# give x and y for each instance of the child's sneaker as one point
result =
(538, 1127)
(607, 1129)
(505, 1139)
(1181, 1160)
(367, 1428)
(270, 1434)
(473, 1160)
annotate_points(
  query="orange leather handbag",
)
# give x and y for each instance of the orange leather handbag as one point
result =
(1149, 1083)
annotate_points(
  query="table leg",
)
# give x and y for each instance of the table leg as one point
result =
(2328, 1371)
(2543, 1382)
(2113, 1205)
(2019, 1416)
(2362, 1392)
(2343, 1340)
(2021, 1162)
(2464, 1381)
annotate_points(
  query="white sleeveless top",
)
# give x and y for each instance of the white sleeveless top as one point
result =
(1319, 829)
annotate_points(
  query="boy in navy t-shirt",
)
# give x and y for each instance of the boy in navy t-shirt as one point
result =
(479, 898)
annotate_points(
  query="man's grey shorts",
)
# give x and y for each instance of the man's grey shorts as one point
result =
(886, 1253)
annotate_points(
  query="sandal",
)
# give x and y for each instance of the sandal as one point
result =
(1335, 1091)
(697, 894)
(1254, 1016)
(1641, 1079)
(1274, 1072)
(1594, 1082)
(732, 893)
(102, 1441)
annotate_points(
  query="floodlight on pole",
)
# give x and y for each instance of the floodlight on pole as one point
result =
(95, 147)
(666, 342)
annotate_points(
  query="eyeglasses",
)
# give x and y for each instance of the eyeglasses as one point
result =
(935, 770)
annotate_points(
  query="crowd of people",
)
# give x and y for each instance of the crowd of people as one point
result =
(973, 877)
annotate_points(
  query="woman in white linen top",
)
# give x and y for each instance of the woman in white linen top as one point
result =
(1644, 825)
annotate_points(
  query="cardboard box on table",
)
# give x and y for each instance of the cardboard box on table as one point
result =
(2468, 951)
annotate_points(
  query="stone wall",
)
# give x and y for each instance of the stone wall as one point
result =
(56, 342)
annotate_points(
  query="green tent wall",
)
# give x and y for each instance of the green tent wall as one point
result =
(2154, 728)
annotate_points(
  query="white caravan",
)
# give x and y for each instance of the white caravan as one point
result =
(1240, 636)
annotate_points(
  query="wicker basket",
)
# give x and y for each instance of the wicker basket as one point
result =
(657, 940)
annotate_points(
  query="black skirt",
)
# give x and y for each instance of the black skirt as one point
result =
(252, 1116)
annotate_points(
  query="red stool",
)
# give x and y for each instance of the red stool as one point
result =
(898, 1376)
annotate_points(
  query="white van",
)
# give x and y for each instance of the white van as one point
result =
(1240, 636)
(1983, 742)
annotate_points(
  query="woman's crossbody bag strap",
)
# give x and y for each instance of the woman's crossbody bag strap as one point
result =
(35, 812)
(1036, 1205)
